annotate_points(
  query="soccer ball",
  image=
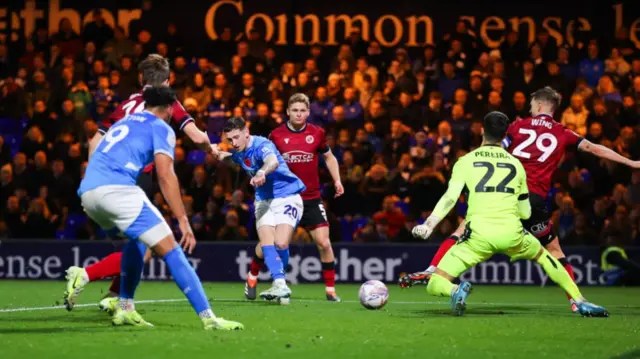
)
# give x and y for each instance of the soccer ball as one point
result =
(373, 294)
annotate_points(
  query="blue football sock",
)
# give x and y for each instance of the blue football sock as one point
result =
(284, 256)
(187, 279)
(131, 268)
(273, 261)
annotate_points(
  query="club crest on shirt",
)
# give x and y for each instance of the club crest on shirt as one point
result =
(309, 139)
(247, 162)
(286, 140)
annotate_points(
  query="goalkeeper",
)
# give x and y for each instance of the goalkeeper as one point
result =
(498, 200)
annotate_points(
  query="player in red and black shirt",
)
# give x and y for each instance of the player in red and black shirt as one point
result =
(540, 143)
(300, 144)
(155, 72)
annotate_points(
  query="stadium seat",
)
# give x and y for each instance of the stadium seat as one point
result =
(346, 230)
(196, 157)
(359, 222)
(403, 206)
(9, 126)
(13, 142)
(74, 222)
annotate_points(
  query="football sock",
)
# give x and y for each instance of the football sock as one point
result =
(273, 261)
(187, 280)
(132, 265)
(256, 265)
(559, 275)
(109, 266)
(284, 256)
(443, 249)
(565, 263)
(329, 276)
(440, 286)
(115, 285)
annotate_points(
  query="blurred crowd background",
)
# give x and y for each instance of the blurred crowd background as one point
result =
(396, 118)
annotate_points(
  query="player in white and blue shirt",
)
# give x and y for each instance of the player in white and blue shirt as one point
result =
(111, 198)
(278, 206)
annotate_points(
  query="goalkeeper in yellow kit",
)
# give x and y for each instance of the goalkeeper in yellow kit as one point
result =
(498, 200)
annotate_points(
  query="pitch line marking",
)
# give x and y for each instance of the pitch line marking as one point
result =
(156, 301)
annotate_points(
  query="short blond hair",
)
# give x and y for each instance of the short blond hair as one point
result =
(299, 98)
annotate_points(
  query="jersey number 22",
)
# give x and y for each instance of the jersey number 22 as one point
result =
(502, 186)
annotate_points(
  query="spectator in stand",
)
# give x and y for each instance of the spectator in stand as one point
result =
(592, 68)
(576, 115)
(232, 231)
(392, 215)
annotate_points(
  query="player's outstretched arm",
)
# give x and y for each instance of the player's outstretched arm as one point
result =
(334, 169)
(606, 153)
(170, 188)
(270, 165)
(199, 138)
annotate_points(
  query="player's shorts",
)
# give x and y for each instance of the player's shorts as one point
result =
(286, 210)
(477, 247)
(128, 210)
(314, 215)
(539, 224)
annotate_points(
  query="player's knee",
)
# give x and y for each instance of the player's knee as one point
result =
(323, 244)
(554, 248)
(282, 244)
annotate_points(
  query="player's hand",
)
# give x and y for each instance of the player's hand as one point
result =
(214, 150)
(339, 189)
(188, 240)
(421, 231)
(259, 179)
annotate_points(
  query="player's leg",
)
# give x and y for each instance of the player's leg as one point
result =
(456, 261)
(150, 229)
(286, 213)
(422, 277)
(314, 220)
(78, 277)
(530, 248)
(251, 285)
(540, 225)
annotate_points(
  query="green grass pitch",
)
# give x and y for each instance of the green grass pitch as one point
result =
(501, 322)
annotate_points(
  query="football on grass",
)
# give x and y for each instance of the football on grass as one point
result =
(373, 294)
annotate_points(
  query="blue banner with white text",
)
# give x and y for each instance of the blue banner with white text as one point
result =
(229, 262)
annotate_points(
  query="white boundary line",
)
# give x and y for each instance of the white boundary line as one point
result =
(155, 301)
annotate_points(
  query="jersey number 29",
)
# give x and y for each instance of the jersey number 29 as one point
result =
(114, 136)
(546, 143)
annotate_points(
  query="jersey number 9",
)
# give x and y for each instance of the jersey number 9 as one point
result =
(114, 136)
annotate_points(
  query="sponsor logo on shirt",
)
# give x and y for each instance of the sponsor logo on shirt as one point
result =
(309, 139)
(297, 157)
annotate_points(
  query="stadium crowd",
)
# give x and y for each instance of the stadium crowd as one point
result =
(396, 119)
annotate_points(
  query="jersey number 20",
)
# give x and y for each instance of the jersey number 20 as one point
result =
(114, 136)
(502, 186)
(546, 148)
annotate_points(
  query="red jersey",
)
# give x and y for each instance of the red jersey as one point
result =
(300, 150)
(135, 104)
(540, 143)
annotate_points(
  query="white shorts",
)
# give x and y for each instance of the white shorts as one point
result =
(126, 209)
(272, 212)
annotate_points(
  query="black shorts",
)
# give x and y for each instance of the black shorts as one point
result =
(145, 181)
(539, 224)
(314, 215)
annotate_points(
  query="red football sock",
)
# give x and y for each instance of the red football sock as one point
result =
(109, 266)
(569, 269)
(444, 248)
(329, 274)
(115, 285)
(256, 265)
